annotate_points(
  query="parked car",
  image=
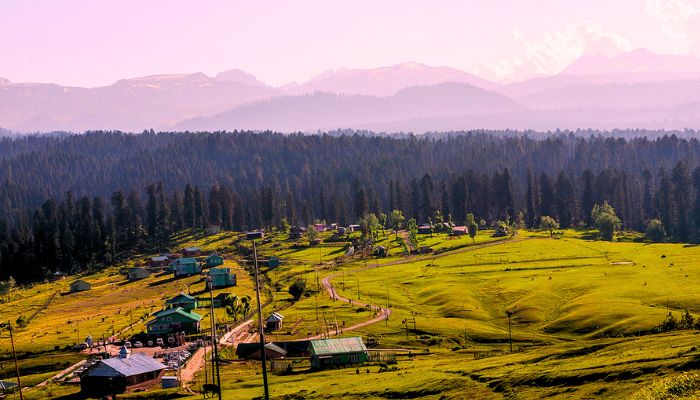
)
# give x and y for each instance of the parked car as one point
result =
(159, 341)
(138, 344)
(127, 344)
(80, 346)
(150, 343)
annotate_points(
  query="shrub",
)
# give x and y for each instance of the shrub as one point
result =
(297, 289)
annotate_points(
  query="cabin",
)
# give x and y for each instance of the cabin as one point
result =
(380, 251)
(274, 322)
(459, 231)
(58, 275)
(296, 232)
(80, 286)
(138, 273)
(159, 261)
(320, 227)
(213, 260)
(185, 267)
(341, 231)
(425, 229)
(182, 300)
(295, 348)
(220, 277)
(337, 352)
(191, 252)
(120, 374)
(174, 320)
(353, 228)
(272, 351)
(252, 235)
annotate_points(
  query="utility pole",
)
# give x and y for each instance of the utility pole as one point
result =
(260, 325)
(14, 356)
(510, 335)
(214, 338)
(358, 286)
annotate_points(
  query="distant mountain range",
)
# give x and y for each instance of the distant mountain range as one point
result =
(638, 89)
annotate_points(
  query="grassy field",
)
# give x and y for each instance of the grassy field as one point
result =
(583, 318)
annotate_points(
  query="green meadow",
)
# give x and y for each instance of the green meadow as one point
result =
(583, 318)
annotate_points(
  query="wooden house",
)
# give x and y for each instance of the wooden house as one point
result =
(120, 374)
(296, 232)
(58, 275)
(213, 260)
(220, 277)
(320, 227)
(159, 261)
(353, 228)
(80, 286)
(185, 267)
(425, 229)
(274, 322)
(252, 235)
(459, 231)
(182, 300)
(174, 320)
(191, 252)
(337, 352)
(138, 273)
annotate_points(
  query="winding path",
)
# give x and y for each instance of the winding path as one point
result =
(384, 313)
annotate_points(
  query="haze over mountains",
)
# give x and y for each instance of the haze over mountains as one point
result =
(637, 89)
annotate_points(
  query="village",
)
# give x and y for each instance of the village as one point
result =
(177, 344)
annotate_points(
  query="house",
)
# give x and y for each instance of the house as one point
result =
(185, 267)
(320, 227)
(58, 275)
(159, 261)
(174, 320)
(341, 231)
(213, 229)
(353, 228)
(182, 300)
(80, 286)
(119, 374)
(252, 235)
(220, 277)
(295, 348)
(213, 260)
(274, 322)
(271, 351)
(337, 352)
(191, 252)
(135, 274)
(459, 231)
(380, 251)
(425, 229)
(296, 232)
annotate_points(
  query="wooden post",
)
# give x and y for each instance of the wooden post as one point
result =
(260, 323)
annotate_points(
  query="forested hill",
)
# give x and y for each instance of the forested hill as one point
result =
(247, 180)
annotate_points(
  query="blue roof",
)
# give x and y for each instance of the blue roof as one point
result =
(135, 364)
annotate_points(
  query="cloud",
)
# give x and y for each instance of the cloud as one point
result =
(556, 50)
(674, 16)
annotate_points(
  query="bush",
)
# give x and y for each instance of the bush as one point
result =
(297, 289)
(21, 321)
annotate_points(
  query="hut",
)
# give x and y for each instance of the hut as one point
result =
(380, 251)
(296, 232)
(220, 277)
(159, 261)
(80, 286)
(213, 260)
(174, 320)
(58, 275)
(185, 267)
(459, 231)
(252, 235)
(337, 352)
(251, 351)
(191, 252)
(119, 374)
(274, 322)
(425, 229)
(184, 301)
(135, 274)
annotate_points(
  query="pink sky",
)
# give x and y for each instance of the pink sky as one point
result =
(93, 43)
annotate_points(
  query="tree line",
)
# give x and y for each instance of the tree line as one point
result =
(74, 202)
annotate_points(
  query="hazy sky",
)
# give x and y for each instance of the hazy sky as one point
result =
(93, 43)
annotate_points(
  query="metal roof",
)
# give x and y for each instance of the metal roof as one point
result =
(135, 364)
(192, 248)
(191, 315)
(160, 258)
(275, 317)
(322, 347)
(276, 349)
(180, 297)
(7, 385)
(219, 271)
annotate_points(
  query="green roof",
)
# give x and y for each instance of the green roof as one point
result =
(187, 260)
(320, 347)
(181, 298)
(189, 315)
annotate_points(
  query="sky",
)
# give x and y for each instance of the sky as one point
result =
(95, 43)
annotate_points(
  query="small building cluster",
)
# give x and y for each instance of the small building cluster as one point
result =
(120, 374)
